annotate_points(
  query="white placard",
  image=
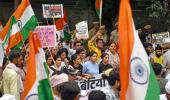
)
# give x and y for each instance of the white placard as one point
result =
(82, 30)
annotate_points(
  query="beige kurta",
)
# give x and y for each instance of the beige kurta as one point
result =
(11, 82)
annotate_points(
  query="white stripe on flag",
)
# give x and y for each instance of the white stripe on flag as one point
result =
(26, 16)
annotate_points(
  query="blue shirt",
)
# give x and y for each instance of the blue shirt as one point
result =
(90, 68)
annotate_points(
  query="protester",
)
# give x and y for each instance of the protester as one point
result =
(157, 57)
(114, 59)
(57, 80)
(166, 96)
(99, 45)
(12, 83)
(63, 53)
(158, 72)
(166, 61)
(91, 67)
(114, 33)
(69, 91)
(49, 59)
(81, 52)
(97, 95)
(149, 49)
(104, 64)
(56, 67)
(113, 78)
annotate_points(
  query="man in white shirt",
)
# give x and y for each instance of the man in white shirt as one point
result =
(167, 95)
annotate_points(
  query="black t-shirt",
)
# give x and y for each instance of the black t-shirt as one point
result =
(103, 67)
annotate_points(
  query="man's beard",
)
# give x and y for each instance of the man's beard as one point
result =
(158, 55)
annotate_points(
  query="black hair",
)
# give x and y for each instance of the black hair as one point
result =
(79, 50)
(97, 40)
(73, 58)
(113, 76)
(91, 53)
(97, 95)
(77, 42)
(69, 90)
(13, 55)
(158, 48)
(56, 57)
(104, 54)
(157, 68)
(62, 50)
(147, 45)
(47, 56)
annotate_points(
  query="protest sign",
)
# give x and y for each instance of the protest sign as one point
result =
(52, 11)
(160, 38)
(82, 30)
(47, 35)
(96, 83)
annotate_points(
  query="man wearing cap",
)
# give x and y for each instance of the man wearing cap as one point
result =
(56, 80)
(146, 35)
(167, 95)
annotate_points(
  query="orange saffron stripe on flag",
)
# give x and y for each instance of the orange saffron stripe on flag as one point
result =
(18, 13)
(31, 68)
(97, 4)
(126, 42)
(14, 40)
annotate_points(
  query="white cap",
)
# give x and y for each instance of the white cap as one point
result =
(167, 87)
(58, 79)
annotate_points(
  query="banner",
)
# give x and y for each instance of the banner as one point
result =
(52, 11)
(82, 30)
(47, 35)
(96, 83)
(160, 38)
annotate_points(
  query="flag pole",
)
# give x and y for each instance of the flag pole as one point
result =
(48, 48)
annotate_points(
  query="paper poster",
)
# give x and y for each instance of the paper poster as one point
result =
(162, 37)
(47, 35)
(52, 11)
(82, 30)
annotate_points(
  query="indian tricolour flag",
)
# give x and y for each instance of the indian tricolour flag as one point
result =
(137, 78)
(37, 86)
(25, 21)
(98, 7)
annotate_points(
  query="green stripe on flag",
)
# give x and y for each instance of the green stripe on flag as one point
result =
(44, 90)
(29, 26)
(153, 91)
(5, 41)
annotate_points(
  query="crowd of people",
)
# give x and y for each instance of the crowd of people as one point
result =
(83, 59)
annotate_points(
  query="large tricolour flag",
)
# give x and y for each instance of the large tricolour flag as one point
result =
(137, 78)
(37, 86)
(25, 21)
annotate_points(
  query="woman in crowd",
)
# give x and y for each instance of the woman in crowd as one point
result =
(81, 52)
(56, 67)
(114, 59)
(91, 67)
(49, 59)
(104, 64)
(63, 53)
